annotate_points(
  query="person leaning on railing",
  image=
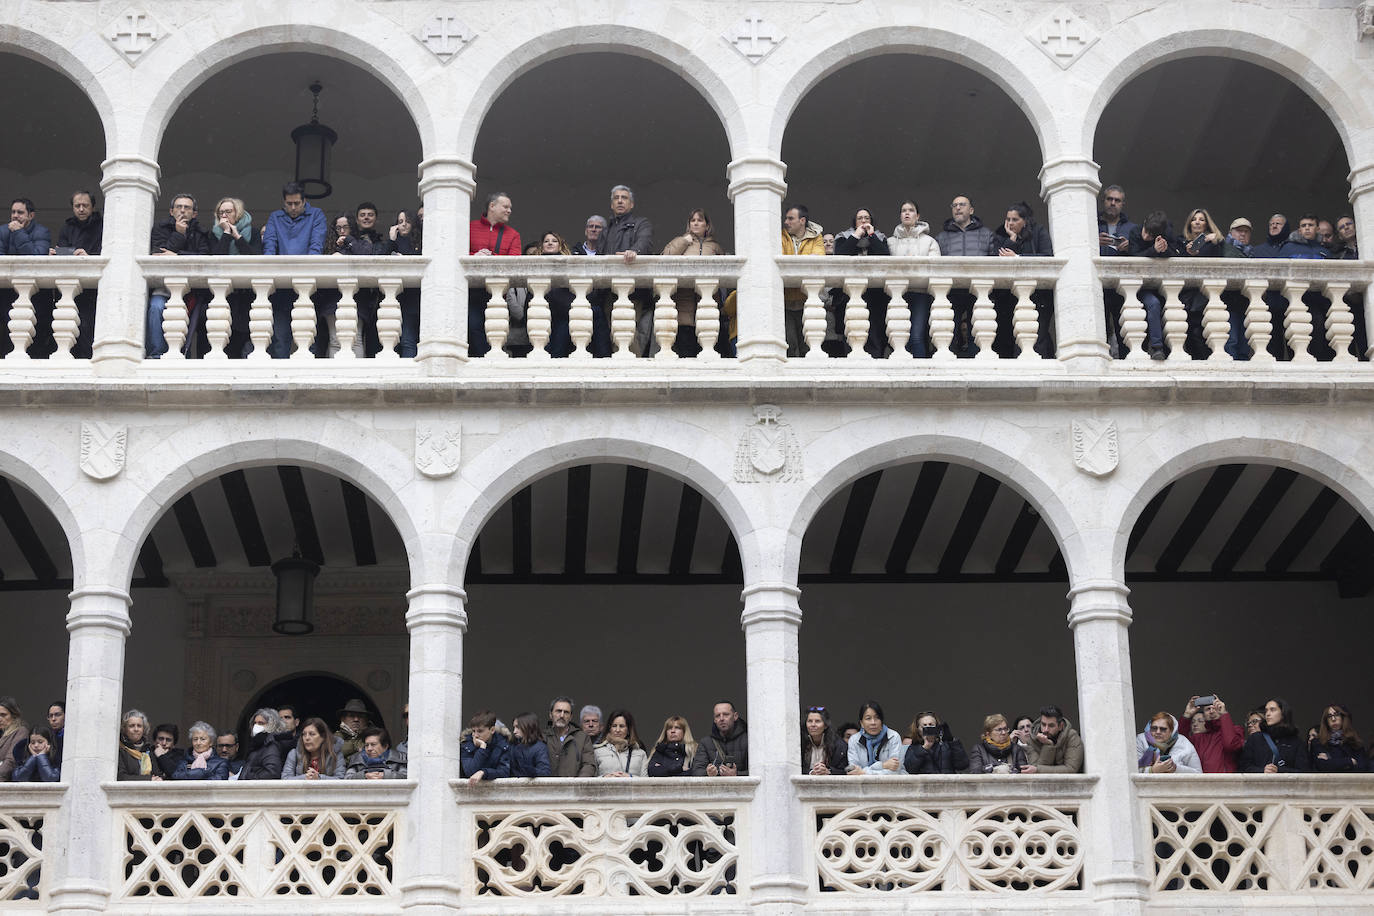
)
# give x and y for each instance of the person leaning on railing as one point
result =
(571, 750)
(201, 762)
(933, 748)
(996, 751)
(621, 754)
(135, 761)
(911, 238)
(377, 759)
(233, 233)
(1219, 741)
(529, 755)
(44, 763)
(485, 751)
(1020, 236)
(862, 239)
(315, 756)
(1154, 239)
(875, 750)
(560, 300)
(179, 234)
(14, 732)
(724, 752)
(1162, 748)
(265, 747)
(296, 229)
(1054, 745)
(823, 751)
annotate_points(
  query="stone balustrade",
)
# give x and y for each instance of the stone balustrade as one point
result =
(877, 841)
(666, 279)
(62, 278)
(1281, 842)
(936, 277)
(264, 276)
(600, 843)
(25, 809)
(1260, 289)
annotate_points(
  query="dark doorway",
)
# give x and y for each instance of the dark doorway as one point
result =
(313, 694)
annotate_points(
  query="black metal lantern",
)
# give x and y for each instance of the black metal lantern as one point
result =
(295, 594)
(314, 149)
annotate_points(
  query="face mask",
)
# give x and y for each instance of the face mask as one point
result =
(259, 729)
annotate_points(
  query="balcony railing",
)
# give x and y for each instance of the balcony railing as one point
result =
(670, 281)
(605, 842)
(877, 838)
(216, 843)
(968, 278)
(264, 276)
(63, 278)
(1260, 841)
(1247, 284)
(25, 809)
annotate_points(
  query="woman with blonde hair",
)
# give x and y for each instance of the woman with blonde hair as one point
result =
(674, 749)
(996, 752)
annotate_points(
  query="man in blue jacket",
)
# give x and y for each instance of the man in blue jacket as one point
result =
(297, 228)
(23, 234)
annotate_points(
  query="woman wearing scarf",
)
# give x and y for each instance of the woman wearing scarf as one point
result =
(1337, 747)
(13, 733)
(996, 752)
(875, 749)
(1161, 749)
(233, 234)
(202, 762)
(621, 754)
(135, 759)
(1276, 747)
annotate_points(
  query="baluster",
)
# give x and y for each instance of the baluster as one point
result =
(303, 317)
(665, 317)
(984, 318)
(21, 322)
(1175, 321)
(1215, 322)
(346, 319)
(1340, 321)
(813, 319)
(1259, 328)
(1133, 325)
(538, 318)
(217, 318)
(65, 320)
(898, 319)
(389, 317)
(497, 317)
(708, 318)
(1297, 322)
(580, 318)
(622, 318)
(941, 319)
(1025, 319)
(174, 316)
(856, 317)
(260, 318)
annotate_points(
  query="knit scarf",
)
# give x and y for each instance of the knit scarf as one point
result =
(145, 762)
(998, 749)
(198, 760)
(244, 226)
(874, 743)
(1335, 736)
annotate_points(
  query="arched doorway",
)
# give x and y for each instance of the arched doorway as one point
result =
(312, 694)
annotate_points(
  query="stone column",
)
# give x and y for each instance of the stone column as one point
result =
(1362, 200)
(1069, 185)
(130, 188)
(771, 619)
(80, 842)
(1100, 617)
(756, 189)
(446, 186)
(434, 848)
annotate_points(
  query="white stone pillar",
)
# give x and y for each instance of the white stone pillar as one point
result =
(756, 189)
(1100, 617)
(771, 619)
(80, 842)
(1069, 185)
(1362, 200)
(130, 188)
(446, 186)
(434, 849)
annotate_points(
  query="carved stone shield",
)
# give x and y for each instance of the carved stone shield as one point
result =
(1095, 446)
(437, 450)
(768, 449)
(102, 449)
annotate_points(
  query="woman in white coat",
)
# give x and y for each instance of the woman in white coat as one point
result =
(1161, 749)
(875, 749)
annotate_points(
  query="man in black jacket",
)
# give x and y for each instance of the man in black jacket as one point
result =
(178, 234)
(726, 751)
(628, 236)
(81, 235)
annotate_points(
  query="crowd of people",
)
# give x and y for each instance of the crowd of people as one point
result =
(300, 228)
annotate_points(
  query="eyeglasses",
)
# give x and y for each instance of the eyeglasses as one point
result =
(1335, 715)
(1253, 721)
(815, 709)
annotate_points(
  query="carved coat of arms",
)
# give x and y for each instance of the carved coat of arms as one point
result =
(102, 449)
(768, 449)
(437, 451)
(1095, 448)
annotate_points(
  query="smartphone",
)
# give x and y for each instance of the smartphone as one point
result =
(1205, 701)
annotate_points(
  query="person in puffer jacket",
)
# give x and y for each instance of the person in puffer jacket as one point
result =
(1160, 748)
(933, 748)
(875, 750)
(485, 752)
(674, 749)
(912, 239)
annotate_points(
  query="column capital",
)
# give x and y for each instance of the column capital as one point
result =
(436, 605)
(1099, 599)
(447, 172)
(138, 172)
(756, 173)
(770, 602)
(1069, 173)
(99, 606)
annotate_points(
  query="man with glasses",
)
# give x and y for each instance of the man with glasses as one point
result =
(227, 746)
(1218, 745)
(591, 240)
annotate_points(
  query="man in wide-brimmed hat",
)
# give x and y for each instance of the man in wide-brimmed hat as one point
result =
(353, 718)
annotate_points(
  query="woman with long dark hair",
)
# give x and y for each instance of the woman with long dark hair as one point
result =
(45, 759)
(1337, 747)
(823, 752)
(315, 755)
(621, 753)
(1276, 747)
(529, 756)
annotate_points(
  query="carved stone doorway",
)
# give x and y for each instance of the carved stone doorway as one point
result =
(313, 693)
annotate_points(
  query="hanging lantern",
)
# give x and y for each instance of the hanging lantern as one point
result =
(295, 594)
(314, 150)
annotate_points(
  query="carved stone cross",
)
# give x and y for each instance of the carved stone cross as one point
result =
(753, 37)
(445, 36)
(134, 33)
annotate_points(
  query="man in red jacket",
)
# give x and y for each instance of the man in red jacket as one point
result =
(489, 234)
(1219, 743)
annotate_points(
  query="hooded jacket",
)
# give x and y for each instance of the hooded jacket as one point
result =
(812, 242)
(1063, 755)
(916, 242)
(1300, 248)
(493, 760)
(1179, 749)
(1270, 247)
(717, 747)
(1218, 746)
(970, 241)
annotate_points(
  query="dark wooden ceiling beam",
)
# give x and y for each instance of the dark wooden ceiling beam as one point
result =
(1147, 517)
(1219, 485)
(302, 516)
(359, 524)
(685, 537)
(25, 535)
(1301, 533)
(193, 532)
(245, 515)
(579, 508)
(852, 525)
(150, 561)
(1260, 510)
(1018, 539)
(631, 520)
(970, 523)
(522, 537)
(923, 494)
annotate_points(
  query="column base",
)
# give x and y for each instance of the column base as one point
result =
(116, 357)
(78, 897)
(430, 897)
(777, 894)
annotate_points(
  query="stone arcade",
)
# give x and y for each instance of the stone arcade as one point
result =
(945, 516)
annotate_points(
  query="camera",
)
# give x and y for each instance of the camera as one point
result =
(929, 731)
(1201, 702)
